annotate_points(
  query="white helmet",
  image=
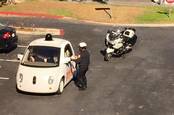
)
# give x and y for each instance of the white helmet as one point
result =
(82, 44)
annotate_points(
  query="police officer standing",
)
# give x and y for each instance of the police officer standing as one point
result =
(83, 61)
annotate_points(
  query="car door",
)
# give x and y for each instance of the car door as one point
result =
(70, 66)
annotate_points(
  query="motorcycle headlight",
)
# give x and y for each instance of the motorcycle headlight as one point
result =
(20, 77)
(50, 80)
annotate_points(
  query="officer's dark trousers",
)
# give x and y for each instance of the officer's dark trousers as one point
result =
(81, 79)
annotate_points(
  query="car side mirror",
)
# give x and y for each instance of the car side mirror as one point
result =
(67, 60)
(19, 56)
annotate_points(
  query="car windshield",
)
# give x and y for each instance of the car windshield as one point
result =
(41, 56)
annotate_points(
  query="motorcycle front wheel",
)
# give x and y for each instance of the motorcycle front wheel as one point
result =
(107, 57)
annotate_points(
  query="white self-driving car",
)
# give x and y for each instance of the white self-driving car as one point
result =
(45, 66)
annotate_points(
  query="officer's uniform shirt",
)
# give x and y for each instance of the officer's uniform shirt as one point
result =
(84, 59)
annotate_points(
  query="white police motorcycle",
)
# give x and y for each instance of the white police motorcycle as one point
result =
(119, 42)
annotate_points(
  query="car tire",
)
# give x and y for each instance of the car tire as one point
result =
(17, 90)
(61, 87)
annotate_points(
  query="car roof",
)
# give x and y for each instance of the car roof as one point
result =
(55, 42)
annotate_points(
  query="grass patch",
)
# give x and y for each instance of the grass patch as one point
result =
(60, 12)
(31, 0)
(156, 14)
(8, 8)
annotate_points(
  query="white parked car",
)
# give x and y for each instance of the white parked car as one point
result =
(45, 66)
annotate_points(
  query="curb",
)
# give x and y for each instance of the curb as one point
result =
(30, 15)
(38, 31)
(133, 25)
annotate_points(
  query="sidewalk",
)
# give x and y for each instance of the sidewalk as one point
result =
(121, 2)
(131, 2)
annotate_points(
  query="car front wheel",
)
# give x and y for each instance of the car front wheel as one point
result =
(17, 90)
(61, 87)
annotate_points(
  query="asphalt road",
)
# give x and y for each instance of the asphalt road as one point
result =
(142, 83)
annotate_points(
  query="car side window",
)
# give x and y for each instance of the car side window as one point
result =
(68, 51)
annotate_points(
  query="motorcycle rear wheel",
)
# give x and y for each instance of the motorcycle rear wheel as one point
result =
(107, 57)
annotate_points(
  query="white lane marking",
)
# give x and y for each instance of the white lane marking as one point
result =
(21, 46)
(8, 60)
(4, 78)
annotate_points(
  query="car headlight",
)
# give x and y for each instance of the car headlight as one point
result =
(20, 77)
(50, 80)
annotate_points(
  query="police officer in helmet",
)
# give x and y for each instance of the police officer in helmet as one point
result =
(83, 61)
